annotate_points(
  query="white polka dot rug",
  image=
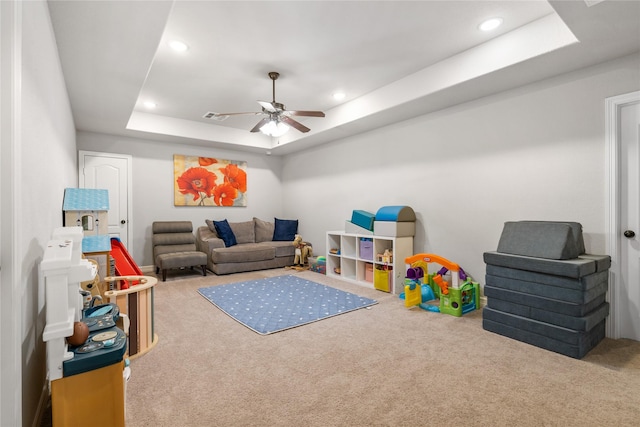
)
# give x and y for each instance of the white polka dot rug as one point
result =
(278, 303)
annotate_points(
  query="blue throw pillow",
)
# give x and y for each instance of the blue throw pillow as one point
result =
(225, 232)
(285, 229)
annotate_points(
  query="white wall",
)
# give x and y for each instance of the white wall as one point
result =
(153, 186)
(536, 152)
(44, 164)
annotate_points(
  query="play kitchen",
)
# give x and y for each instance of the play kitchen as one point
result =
(85, 348)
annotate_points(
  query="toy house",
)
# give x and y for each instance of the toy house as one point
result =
(87, 208)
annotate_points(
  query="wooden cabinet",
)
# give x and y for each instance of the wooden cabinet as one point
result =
(354, 258)
(93, 398)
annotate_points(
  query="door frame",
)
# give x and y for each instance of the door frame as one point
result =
(129, 158)
(11, 309)
(613, 240)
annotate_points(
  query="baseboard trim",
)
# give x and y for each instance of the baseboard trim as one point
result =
(146, 269)
(43, 403)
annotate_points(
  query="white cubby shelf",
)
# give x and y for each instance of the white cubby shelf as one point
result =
(353, 266)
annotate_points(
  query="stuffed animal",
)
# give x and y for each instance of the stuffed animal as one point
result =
(303, 250)
(93, 285)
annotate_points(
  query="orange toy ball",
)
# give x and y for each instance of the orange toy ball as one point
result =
(80, 334)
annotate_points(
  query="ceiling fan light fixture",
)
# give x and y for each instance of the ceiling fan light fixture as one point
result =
(178, 46)
(490, 24)
(278, 120)
(274, 129)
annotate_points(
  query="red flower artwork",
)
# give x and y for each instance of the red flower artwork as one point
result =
(235, 176)
(197, 181)
(224, 194)
(206, 161)
(211, 181)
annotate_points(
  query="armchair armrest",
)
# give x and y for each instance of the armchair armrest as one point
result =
(206, 240)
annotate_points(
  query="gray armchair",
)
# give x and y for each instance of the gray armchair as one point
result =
(174, 246)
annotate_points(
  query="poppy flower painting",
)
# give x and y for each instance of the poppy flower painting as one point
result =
(209, 181)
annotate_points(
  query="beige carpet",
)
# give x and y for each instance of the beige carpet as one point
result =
(383, 366)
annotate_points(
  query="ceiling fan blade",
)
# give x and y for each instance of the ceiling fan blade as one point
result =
(261, 123)
(224, 116)
(305, 113)
(302, 128)
(268, 106)
(255, 113)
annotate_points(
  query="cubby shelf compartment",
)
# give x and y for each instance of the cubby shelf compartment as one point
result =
(347, 262)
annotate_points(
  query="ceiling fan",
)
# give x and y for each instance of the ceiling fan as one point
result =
(276, 114)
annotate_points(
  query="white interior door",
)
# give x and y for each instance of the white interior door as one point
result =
(629, 284)
(113, 173)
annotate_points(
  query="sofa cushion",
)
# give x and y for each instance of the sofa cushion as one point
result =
(541, 239)
(576, 268)
(163, 239)
(244, 231)
(282, 248)
(264, 230)
(583, 283)
(181, 259)
(576, 232)
(172, 227)
(247, 252)
(226, 234)
(211, 226)
(168, 249)
(285, 229)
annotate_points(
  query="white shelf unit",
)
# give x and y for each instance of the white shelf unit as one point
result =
(352, 264)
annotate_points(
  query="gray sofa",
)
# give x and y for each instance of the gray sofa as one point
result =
(255, 248)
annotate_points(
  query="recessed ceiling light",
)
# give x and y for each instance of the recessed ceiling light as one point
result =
(490, 24)
(150, 104)
(338, 96)
(178, 46)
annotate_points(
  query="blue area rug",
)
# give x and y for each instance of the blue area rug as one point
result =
(278, 303)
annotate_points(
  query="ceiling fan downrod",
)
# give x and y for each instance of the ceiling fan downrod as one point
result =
(273, 75)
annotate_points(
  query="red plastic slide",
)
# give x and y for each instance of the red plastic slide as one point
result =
(125, 265)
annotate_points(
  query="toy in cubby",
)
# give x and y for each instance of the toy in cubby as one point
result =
(386, 256)
(430, 291)
(318, 264)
